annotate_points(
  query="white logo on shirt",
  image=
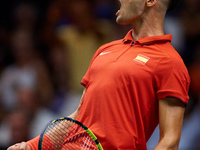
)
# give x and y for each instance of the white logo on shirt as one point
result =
(103, 53)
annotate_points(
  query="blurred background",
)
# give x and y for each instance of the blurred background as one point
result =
(46, 47)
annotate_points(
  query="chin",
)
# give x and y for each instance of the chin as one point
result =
(121, 21)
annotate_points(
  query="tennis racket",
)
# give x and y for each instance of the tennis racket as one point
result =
(67, 134)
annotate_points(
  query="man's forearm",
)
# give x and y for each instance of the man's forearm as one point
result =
(168, 143)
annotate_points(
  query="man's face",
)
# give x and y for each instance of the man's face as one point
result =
(130, 11)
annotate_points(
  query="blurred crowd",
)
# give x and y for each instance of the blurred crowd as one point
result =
(46, 47)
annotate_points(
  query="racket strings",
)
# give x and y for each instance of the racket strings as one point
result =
(66, 135)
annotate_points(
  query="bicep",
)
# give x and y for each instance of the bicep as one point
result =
(171, 113)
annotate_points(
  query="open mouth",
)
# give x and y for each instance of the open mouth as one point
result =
(117, 13)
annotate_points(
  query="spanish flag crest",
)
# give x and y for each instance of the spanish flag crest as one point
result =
(142, 59)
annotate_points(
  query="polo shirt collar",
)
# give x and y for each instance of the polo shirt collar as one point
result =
(148, 40)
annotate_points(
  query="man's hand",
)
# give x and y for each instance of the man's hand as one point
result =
(20, 146)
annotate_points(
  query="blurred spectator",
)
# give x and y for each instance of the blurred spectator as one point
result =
(25, 16)
(28, 69)
(4, 129)
(82, 37)
(29, 100)
(173, 26)
(189, 16)
(19, 123)
(59, 73)
(56, 15)
(64, 102)
(72, 36)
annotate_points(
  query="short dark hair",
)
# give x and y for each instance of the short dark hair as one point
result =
(173, 4)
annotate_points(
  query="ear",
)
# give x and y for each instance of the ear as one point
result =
(151, 3)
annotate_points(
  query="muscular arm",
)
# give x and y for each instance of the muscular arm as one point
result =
(171, 112)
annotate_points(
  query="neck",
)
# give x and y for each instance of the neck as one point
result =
(149, 25)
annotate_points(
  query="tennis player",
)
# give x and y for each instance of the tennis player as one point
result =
(134, 83)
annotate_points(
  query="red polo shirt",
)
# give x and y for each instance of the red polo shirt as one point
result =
(123, 84)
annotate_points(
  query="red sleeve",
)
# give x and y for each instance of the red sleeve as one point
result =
(86, 77)
(46, 142)
(34, 143)
(172, 79)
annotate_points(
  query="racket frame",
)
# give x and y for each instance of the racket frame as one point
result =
(92, 135)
